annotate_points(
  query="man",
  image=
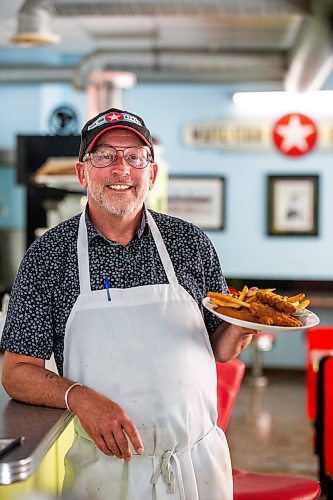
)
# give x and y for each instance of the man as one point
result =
(116, 294)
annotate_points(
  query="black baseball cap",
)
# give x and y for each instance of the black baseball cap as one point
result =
(113, 118)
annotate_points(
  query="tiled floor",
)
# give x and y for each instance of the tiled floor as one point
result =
(269, 430)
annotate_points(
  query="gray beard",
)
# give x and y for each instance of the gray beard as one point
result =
(112, 208)
(96, 193)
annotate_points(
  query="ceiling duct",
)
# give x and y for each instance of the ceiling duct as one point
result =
(182, 65)
(225, 41)
(179, 7)
(311, 60)
(33, 24)
(105, 90)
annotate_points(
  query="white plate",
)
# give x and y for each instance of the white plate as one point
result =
(308, 321)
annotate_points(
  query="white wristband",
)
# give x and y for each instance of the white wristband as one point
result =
(67, 392)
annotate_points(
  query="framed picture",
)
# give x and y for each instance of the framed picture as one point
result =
(198, 199)
(293, 205)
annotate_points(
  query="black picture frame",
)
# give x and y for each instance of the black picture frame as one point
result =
(292, 205)
(198, 199)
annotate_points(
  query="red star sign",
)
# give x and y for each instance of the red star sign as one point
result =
(114, 117)
(295, 134)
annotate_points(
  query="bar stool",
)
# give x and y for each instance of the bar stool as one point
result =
(252, 485)
(262, 342)
(260, 486)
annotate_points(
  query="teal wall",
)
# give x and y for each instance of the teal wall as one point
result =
(12, 201)
(243, 247)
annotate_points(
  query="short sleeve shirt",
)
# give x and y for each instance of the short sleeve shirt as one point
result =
(47, 283)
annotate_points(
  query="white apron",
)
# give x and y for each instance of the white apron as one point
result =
(148, 350)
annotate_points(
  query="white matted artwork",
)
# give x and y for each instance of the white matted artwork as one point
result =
(293, 205)
(198, 199)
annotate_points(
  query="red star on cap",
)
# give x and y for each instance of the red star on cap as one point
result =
(295, 134)
(114, 117)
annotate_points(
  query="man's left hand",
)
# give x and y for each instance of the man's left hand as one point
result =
(228, 341)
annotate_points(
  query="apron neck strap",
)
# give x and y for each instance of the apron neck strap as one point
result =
(162, 251)
(83, 255)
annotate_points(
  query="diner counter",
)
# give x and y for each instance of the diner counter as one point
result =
(40, 427)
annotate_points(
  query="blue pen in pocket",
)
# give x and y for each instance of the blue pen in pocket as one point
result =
(107, 286)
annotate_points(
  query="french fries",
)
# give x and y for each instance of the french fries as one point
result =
(303, 305)
(263, 305)
(296, 298)
(243, 293)
(224, 303)
(228, 300)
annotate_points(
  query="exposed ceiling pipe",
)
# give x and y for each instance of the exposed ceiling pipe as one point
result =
(311, 60)
(231, 71)
(178, 7)
(102, 60)
(36, 74)
(182, 65)
(33, 24)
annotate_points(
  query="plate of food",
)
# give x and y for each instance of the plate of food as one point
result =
(262, 309)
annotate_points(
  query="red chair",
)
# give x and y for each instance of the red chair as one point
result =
(229, 379)
(251, 485)
(317, 339)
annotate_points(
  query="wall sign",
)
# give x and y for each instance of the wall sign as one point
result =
(293, 135)
(230, 134)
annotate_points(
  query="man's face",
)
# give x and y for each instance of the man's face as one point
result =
(118, 188)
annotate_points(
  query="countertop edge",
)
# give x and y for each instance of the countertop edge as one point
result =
(13, 472)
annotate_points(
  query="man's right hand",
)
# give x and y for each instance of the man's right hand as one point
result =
(105, 422)
(26, 379)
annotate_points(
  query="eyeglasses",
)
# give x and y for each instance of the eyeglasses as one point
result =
(104, 156)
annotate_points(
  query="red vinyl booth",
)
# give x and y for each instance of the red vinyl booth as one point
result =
(328, 417)
(251, 485)
(324, 424)
(317, 339)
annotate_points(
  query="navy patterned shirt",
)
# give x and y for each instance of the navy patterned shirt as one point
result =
(47, 283)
